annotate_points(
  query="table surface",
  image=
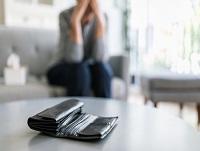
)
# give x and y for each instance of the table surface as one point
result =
(139, 129)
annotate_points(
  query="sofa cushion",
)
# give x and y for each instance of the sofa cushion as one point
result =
(36, 88)
(118, 89)
(174, 96)
(33, 89)
(35, 47)
(178, 82)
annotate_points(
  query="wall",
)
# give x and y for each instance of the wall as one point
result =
(1, 11)
(115, 31)
(42, 16)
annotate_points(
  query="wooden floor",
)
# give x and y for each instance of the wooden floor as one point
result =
(189, 113)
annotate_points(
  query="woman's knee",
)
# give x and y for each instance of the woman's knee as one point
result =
(81, 74)
(56, 75)
(102, 69)
(80, 81)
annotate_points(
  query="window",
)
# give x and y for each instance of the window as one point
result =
(166, 35)
(44, 14)
(35, 13)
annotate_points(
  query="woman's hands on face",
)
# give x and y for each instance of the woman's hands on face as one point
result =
(100, 27)
(95, 7)
(79, 10)
(77, 15)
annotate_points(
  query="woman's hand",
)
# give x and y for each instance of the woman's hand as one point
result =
(100, 28)
(79, 11)
(95, 7)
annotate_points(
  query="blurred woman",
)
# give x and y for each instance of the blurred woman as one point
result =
(81, 64)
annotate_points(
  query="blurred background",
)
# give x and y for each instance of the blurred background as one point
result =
(159, 36)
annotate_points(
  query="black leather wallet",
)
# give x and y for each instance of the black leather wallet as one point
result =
(67, 120)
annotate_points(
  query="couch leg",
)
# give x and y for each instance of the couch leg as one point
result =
(198, 111)
(181, 109)
(155, 104)
(145, 100)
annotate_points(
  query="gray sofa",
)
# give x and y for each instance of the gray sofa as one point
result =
(36, 48)
(171, 87)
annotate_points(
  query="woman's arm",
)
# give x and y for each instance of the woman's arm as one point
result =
(100, 52)
(76, 31)
(100, 20)
(71, 41)
(69, 50)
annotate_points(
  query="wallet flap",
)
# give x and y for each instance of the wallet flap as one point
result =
(99, 128)
(61, 110)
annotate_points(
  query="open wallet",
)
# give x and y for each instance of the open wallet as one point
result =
(66, 120)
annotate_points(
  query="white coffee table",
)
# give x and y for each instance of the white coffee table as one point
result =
(139, 129)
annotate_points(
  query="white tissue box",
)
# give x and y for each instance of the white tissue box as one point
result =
(15, 76)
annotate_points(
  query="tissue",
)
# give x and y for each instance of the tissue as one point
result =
(13, 61)
(14, 73)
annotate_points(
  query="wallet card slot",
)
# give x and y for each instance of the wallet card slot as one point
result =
(66, 120)
(88, 119)
(61, 110)
(68, 128)
(99, 127)
(79, 123)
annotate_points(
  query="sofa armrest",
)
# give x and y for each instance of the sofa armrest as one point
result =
(120, 66)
